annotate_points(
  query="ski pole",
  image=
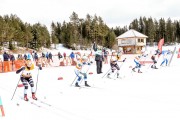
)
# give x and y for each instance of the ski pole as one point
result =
(39, 68)
(73, 80)
(37, 80)
(106, 73)
(110, 68)
(76, 75)
(120, 66)
(153, 63)
(143, 62)
(86, 72)
(15, 89)
(122, 63)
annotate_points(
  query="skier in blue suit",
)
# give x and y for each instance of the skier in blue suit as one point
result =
(138, 64)
(165, 57)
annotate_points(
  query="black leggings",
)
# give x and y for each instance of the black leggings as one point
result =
(25, 82)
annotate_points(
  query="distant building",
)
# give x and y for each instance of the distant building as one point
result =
(6, 44)
(131, 42)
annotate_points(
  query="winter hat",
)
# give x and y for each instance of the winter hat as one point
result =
(28, 63)
(84, 57)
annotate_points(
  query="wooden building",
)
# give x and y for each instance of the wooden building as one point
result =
(131, 42)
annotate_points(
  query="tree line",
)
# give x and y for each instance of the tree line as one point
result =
(82, 32)
(155, 29)
(13, 29)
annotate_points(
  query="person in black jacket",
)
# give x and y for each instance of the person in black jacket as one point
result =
(5, 56)
(59, 55)
(99, 59)
(50, 57)
(12, 59)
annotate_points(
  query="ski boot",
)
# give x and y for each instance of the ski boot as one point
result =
(33, 96)
(87, 84)
(152, 66)
(77, 85)
(117, 75)
(108, 75)
(133, 70)
(139, 71)
(25, 97)
(155, 67)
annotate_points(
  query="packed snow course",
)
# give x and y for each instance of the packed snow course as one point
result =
(151, 95)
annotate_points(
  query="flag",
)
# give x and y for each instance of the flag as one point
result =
(178, 53)
(160, 44)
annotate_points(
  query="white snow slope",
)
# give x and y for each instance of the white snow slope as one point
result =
(151, 95)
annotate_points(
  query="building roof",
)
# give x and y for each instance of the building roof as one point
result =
(131, 34)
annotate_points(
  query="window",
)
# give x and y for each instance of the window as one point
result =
(139, 40)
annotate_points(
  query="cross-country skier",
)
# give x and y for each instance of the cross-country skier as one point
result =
(165, 57)
(113, 64)
(26, 77)
(81, 70)
(153, 57)
(138, 64)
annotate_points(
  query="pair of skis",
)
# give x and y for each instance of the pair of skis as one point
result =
(38, 103)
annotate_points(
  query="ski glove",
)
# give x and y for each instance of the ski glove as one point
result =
(40, 68)
(124, 60)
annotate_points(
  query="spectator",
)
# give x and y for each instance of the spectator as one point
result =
(19, 57)
(43, 55)
(36, 58)
(6, 59)
(32, 54)
(99, 59)
(59, 55)
(5, 56)
(47, 55)
(25, 56)
(50, 57)
(72, 56)
(64, 54)
(28, 56)
(12, 58)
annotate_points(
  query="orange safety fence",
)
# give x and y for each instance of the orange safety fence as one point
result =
(19, 64)
(1, 67)
(12, 65)
(67, 61)
(8, 66)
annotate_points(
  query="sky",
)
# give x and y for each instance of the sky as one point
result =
(114, 12)
(151, 95)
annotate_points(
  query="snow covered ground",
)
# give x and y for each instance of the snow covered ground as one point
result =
(151, 95)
